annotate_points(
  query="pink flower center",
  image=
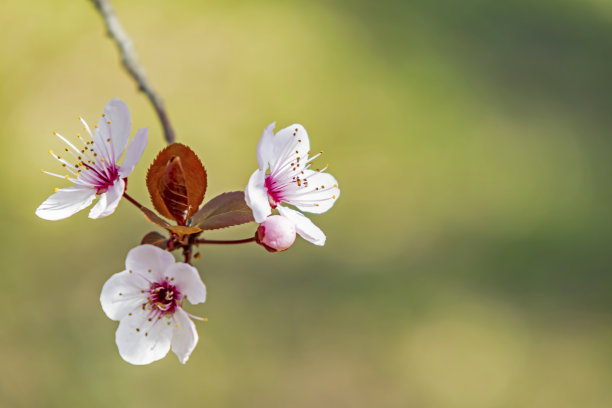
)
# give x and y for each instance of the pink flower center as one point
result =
(164, 298)
(275, 191)
(100, 175)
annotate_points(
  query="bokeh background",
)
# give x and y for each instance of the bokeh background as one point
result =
(468, 259)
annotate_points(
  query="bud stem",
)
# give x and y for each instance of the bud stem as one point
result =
(220, 241)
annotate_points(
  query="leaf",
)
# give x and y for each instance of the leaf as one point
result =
(173, 191)
(177, 182)
(154, 238)
(182, 230)
(225, 210)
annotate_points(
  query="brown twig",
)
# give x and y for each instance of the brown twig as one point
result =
(130, 63)
(133, 201)
(187, 253)
(220, 241)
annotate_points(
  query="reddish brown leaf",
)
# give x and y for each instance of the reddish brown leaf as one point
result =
(154, 238)
(177, 182)
(225, 210)
(172, 189)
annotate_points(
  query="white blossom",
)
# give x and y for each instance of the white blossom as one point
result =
(94, 168)
(284, 177)
(147, 299)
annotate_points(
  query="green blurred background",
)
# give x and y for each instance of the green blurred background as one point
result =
(468, 258)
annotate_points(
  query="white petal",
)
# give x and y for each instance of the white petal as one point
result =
(188, 281)
(121, 294)
(142, 342)
(102, 145)
(265, 147)
(134, 151)
(287, 145)
(108, 201)
(256, 196)
(304, 226)
(118, 130)
(66, 202)
(184, 337)
(145, 258)
(316, 196)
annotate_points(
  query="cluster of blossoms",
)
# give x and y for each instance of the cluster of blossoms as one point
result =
(147, 297)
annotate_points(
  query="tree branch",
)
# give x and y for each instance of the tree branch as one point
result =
(130, 63)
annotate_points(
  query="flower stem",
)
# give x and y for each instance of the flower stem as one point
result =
(226, 242)
(133, 201)
(187, 252)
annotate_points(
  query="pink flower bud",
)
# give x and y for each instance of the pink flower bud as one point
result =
(276, 233)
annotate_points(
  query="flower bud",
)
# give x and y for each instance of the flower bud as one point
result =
(276, 233)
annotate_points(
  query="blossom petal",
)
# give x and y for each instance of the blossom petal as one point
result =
(287, 145)
(121, 294)
(111, 138)
(134, 151)
(304, 226)
(108, 202)
(316, 196)
(145, 258)
(142, 342)
(256, 196)
(184, 336)
(265, 152)
(188, 281)
(65, 202)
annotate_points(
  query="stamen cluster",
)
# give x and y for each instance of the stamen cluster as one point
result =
(164, 298)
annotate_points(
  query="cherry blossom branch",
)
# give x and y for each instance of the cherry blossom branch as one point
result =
(220, 241)
(130, 63)
(187, 254)
(133, 201)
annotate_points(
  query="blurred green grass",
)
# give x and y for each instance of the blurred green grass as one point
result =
(467, 262)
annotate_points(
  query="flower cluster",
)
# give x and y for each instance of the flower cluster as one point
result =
(147, 298)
